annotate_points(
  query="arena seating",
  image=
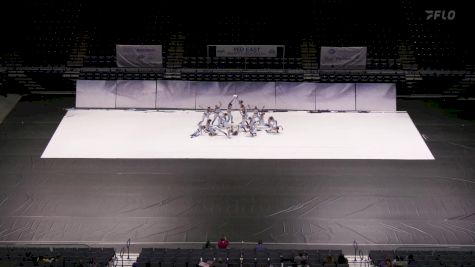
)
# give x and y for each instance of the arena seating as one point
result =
(78, 40)
(56, 256)
(429, 258)
(161, 257)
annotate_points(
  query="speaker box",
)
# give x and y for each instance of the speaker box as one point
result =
(280, 52)
(212, 51)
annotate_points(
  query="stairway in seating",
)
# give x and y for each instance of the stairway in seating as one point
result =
(412, 79)
(175, 50)
(18, 74)
(309, 54)
(464, 88)
(79, 51)
(407, 58)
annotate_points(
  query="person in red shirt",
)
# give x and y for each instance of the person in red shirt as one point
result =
(223, 243)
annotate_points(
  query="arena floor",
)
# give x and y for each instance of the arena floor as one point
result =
(377, 202)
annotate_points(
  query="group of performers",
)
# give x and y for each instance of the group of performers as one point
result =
(223, 121)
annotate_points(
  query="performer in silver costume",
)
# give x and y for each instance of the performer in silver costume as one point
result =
(224, 121)
(251, 124)
(199, 131)
(243, 123)
(272, 125)
(217, 112)
(206, 114)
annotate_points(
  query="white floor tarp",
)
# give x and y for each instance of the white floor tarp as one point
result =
(166, 134)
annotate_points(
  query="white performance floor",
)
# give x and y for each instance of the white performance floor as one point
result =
(166, 134)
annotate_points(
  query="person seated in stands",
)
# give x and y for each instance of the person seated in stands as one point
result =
(223, 243)
(300, 259)
(411, 262)
(207, 263)
(386, 263)
(92, 263)
(342, 259)
(29, 257)
(219, 263)
(43, 260)
(399, 262)
(260, 247)
(329, 261)
(208, 245)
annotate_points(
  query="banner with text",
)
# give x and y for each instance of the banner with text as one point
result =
(248, 50)
(136, 56)
(343, 57)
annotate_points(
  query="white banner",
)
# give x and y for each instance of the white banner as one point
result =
(247, 50)
(136, 56)
(343, 57)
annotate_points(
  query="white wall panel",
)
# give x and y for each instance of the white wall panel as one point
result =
(175, 94)
(376, 96)
(260, 94)
(295, 96)
(136, 94)
(209, 94)
(335, 96)
(95, 94)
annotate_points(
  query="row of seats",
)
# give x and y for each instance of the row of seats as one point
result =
(373, 78)
(428, 258)
(56, 32)
(160, 257)
(294, 77)
(120, 76)
(242, 63)
(55, 257)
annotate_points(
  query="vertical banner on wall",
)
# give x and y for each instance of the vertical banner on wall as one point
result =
(95, 94)
(137, 56)
(246, 50)
(343, 57)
